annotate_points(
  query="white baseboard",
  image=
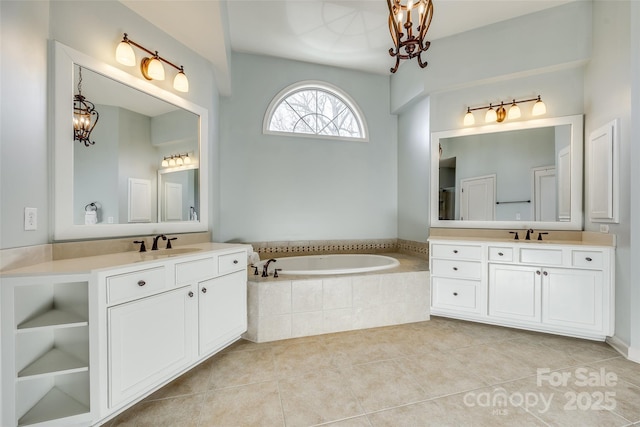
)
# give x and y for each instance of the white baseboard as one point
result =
(633, 354)
(618, 345)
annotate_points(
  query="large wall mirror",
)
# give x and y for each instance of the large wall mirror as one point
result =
(120, 185)
(513, 175)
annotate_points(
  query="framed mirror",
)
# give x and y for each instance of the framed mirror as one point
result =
(116, 187)
(511, 175)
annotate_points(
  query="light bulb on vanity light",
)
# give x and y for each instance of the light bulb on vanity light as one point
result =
(539, 108)
(124, 53)
(152, 68)
(187, 159)
(514, 111)
(179, 161)
(468, 118)
(491, 115)
(164, 163)
(172, 161)
(180, 82)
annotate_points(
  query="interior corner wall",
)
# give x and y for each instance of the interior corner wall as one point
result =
(607, 89)
(24, 164)
(634, 338)
(413, 172)
(290, 188)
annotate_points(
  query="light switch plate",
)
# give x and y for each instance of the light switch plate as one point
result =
(30, 219)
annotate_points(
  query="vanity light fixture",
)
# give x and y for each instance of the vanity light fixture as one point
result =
(85, 116)
(500, 114)
(406, 34)
(151, 67)
(176, 160)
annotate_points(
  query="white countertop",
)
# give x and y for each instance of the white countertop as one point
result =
(520, 241)
(88, 264)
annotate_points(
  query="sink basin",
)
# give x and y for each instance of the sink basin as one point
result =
(162, 253)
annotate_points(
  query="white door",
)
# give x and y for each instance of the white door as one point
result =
(149, 339)
(172, 201)
(563, 163)
(544, 193)
(514, 292)
(139, 200)
(572, 298)
(478, 198)
(222, 306)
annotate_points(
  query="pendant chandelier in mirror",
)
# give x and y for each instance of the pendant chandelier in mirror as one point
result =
(85, 115)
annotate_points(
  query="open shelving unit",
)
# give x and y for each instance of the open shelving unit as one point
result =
(48, 342)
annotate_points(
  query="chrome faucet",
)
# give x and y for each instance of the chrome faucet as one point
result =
(265, 267)
(154, 247)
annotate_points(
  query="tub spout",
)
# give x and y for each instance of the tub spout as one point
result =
(265, 267)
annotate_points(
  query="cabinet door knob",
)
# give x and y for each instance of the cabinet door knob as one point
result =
(141, 283)
(500, 253)
(204, 290)
(190, 294)
(589, 259)
(455, 268)
(545, 273)
(455, 251)
(455, 294)
(538, 272)
(235, 261)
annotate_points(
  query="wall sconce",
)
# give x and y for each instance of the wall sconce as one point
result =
(85, 115)
(151, 67)
(175, 160)
(500, 114)
(405, 33)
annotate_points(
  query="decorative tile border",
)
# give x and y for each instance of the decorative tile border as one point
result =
(320, 247)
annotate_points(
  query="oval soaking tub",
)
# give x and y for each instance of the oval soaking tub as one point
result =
(330, 264)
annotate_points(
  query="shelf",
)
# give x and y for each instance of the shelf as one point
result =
(55, 404)
(53, 318)
(54, 362)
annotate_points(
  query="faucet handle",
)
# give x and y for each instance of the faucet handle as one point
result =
(169, 242)
(142, 247)
(540, 233)
(516, 235)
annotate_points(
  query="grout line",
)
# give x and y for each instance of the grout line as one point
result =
(284, 420)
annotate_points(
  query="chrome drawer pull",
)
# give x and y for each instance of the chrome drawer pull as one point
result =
(589, 259)
(141, 283)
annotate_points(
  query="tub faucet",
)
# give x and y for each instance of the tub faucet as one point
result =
(265, 267)
(154, 247)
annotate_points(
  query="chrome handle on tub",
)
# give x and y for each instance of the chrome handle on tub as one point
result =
(204, 290)
(589, 259)
(141, 283)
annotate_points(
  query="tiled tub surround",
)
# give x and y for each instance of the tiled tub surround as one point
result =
(298, 306)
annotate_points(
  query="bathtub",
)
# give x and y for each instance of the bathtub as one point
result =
(313, 265)
(315, 295)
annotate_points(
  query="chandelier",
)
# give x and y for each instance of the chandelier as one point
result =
(407, 35)
(85, 115)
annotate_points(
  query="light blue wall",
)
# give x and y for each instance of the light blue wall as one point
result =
(277, 188)
(26, 27)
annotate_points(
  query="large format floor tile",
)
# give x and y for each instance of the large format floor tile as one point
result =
(442, 372)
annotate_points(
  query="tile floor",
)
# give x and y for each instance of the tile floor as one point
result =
(441, 372)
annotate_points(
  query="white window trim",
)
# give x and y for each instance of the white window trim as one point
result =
(315, 84)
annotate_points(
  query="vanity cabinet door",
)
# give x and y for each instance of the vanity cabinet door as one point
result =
(222, 310)
(573, 298)
(515, 292)
(149, 340)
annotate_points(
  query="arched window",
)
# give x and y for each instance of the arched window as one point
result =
(315, 109)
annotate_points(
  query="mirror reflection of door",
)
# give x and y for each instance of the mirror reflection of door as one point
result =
(478, 198)
(544, 193)
(173, 201)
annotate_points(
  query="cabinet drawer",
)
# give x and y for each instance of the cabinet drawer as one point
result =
(454, 251)
(497, 253)
(456, 294)
(193, 271)
(232, 262)
(130, 286)
(587, 259)
(541, 256)
(456, 269)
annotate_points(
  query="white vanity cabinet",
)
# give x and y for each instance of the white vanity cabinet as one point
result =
(550, 287)
(83, 340)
